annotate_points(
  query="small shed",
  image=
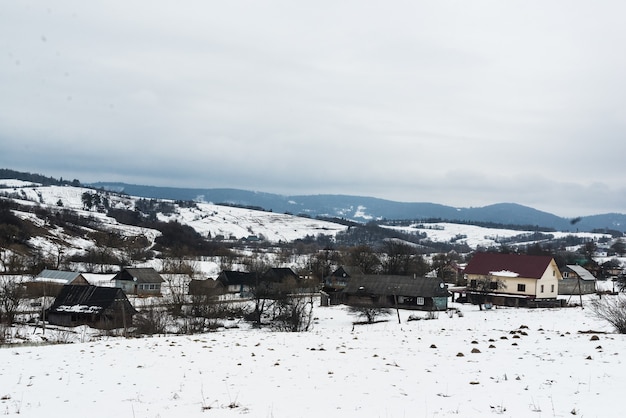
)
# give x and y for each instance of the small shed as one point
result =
(140, 281)
(50, 282)
(97, 307)
(386, 291)
(577, 280)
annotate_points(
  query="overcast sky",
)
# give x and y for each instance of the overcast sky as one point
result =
(453, 102)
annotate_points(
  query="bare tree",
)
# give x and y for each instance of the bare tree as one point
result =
(262, 292)
(402, 259)
(11, 295)
(178, 272)
(483, 287)
(364, 257)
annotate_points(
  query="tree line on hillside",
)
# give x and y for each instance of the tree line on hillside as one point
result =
(6, 173)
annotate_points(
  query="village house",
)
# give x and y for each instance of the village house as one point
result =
(406, 292)
(139, 281)
(283, 275)
(237, 283)
(576, 281)
(512, 280)
(339, 278)
(97, 307)
(50, 282)
(336, 282)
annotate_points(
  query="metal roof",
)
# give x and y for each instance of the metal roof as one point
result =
(88, 298)
(582, 272)
(139, 275)
(396, 285)
(58, 276)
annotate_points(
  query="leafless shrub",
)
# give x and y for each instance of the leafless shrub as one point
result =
(151, 320)
(611, 310)
(294, 313)
(369, 313)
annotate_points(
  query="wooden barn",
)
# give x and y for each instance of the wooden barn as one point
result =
(97, 307)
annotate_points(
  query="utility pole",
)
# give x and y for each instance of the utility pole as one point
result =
(43, 310)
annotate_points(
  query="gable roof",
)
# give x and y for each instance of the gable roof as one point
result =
(235, 278)
(139, 275)
(279, 274)
(347, 271)
(527, 266)
(57, 276)
(398, 285)
(582, 272)
(88, 299)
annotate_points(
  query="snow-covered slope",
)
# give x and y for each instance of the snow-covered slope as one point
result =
(214, 220)
(207, 219)
(475, 236)
(225, 222)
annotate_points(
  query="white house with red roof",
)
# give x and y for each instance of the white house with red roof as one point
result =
(513, 279)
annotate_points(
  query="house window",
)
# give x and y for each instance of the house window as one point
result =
(565, 274)
(473, 283)
(493, 285)
(521, 287)
(553, 273)
(419, 300)
(552, 288)
(541, 288)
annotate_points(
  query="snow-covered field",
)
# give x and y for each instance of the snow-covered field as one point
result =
(475, 236)
(500, 362)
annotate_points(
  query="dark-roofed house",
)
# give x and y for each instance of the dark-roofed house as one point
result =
(98, 307)
(283, 275)
(50, 282)
(420, 293)
(284, 279)
(512, 279)
(339, 278)
(577, 280)
(331, 293)
(139, 281)
(236, 282)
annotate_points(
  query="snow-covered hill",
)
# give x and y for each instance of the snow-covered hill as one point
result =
(209, 220)
(225, 222)
(478, 236)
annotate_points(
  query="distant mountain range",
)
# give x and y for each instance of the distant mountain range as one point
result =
(363, 209)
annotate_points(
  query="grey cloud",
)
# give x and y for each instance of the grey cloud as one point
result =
(476, 104)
